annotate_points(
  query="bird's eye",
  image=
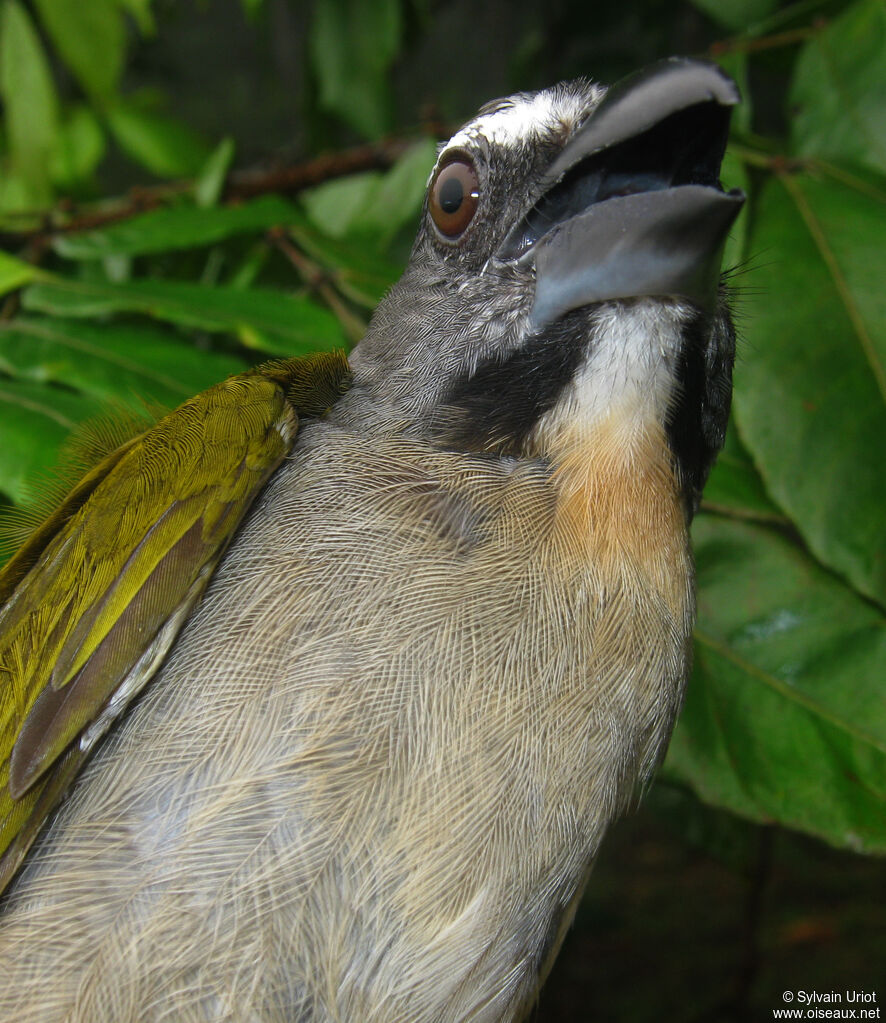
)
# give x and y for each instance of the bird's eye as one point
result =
(455, 192)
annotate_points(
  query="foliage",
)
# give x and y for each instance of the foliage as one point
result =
(785, 719)
(786, 714)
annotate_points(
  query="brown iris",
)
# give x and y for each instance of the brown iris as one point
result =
(455, 193)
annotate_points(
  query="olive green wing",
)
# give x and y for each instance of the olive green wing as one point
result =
(95, 598)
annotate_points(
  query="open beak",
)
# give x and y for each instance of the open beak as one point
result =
(633, 205)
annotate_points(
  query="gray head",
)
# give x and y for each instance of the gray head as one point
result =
(566, 266)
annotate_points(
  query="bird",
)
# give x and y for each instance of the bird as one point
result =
(321, 693)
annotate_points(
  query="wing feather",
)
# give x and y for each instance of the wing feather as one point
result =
(97, 596)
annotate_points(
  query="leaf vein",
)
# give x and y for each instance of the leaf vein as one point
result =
(787, 691)
(827, 254)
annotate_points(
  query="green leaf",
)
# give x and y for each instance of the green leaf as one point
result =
(117, 268)
(839, 89)
(398, 195)
(141, 11)
(30, 105)
(114, 362)
(736, 14)
(810, 396)
(17, 198)
(785, 718)
(163, 145)
(353, 43)
(176, 227)
(91, 38)
(79, 148)
(268, 320)
(34, 423)
(211, 179)
(14, 273)
(336, 205)
(373, 205)
(249, 266)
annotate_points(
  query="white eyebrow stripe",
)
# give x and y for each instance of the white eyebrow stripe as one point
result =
(522, 118)
(517, 122)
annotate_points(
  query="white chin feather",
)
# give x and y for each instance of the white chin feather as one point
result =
(629, 374)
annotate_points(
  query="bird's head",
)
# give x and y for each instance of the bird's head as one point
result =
(567, 271)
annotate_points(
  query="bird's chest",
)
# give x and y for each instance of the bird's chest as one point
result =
(476, 690)
(386, 748)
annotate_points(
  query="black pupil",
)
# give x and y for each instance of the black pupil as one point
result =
(451, 195)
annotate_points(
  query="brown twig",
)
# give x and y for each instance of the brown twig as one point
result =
(318, 281)
(247, 184)
(777, 39)
(240, 186)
